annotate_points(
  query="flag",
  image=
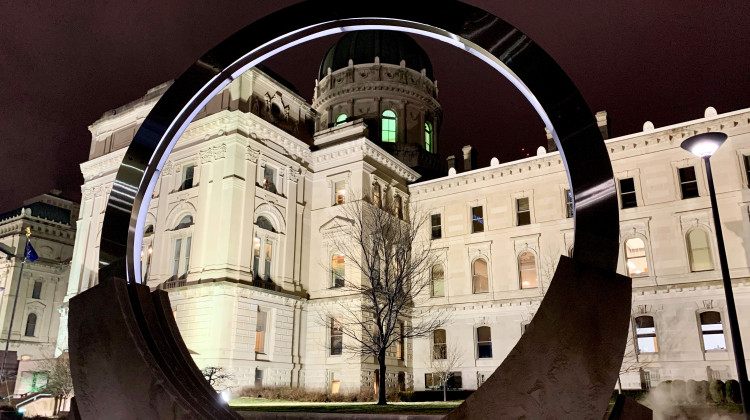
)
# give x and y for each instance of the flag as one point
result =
(30, 254)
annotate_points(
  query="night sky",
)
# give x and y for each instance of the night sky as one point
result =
(64, 63)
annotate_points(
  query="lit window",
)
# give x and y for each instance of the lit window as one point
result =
(699, 251)
(523, 213)
(568, 203)
(398, 207)
(527, 270)
(438, 280)
(435, 223)
(712, 331)
(439, 345)
(479, 276)
(338, 269)
(261, 325)
(635, 257)
(30, 325)
(428, 139)
(267, 260)
(256, 256)
(688, 182)
(388, 127)
(376, 193)
(337, 337)
(176, 261)
(339, 193)
(627, 193)
(36, 293)
(400, 343)
(432, 381)
(341, 119)
(645, 333)
(477, 220)
(269, 179)
(187, 177)
(484, 343)
(335, 384)
(746, 160)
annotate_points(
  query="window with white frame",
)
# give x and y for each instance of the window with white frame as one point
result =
(627, 193)
(338, 269)
(436, 226)
(439, 345)
(527, 270)
(188, 173)
(270, 175)
(688, 182)
(480, 281)
(432, 381)
(477, 219)
(568, 203)
(484, 343)
(339, 192)
(261, 331)
(438, 280)
(712, 331)
(336, 337)
(388, 127)
(636, 262)
(264, 243)
(523, 211)
(182, 248)
(699, 250)
(645, 333)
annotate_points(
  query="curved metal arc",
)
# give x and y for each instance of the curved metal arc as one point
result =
(217, 68)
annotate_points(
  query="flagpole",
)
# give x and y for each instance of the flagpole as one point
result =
(13, 314)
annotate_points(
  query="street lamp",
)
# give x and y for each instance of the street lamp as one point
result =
(704, 145)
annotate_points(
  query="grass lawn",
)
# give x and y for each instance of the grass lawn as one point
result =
(262, 404)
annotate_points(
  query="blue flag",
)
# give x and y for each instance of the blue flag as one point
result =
(30, 254)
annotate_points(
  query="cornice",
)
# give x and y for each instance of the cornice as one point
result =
(366, 149)
(102, 165)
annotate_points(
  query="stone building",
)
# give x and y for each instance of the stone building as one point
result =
(34, 334)
(238, 224)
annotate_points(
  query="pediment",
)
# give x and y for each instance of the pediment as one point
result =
(335, 224)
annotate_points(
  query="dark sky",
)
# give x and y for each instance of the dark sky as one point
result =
(64, 63)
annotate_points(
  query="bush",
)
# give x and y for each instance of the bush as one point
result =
(299, 394)
(717, 390)
(678, 393)
(732, 391)
(693, 391)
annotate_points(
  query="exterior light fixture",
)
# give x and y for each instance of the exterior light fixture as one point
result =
(704, 146)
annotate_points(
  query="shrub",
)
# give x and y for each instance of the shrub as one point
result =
(732, 391)
(663, 391)
(679, 395)
(717, 390)
(299, 394)
(693, 391)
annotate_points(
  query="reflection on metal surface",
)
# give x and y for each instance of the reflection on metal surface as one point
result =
(496, 42)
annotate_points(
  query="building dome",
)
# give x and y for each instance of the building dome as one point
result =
(363, 46)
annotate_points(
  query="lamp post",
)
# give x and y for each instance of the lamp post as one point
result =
(704, 145)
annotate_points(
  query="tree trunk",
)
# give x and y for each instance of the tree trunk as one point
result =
(381, 379)
(445, 390)
(619, 385)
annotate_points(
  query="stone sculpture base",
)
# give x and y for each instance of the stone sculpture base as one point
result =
(128, 360)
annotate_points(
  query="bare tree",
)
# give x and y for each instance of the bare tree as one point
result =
(216, 375)
(388, 259)
(630, 363)
(443, 362)
(548, 261)
(59, 380)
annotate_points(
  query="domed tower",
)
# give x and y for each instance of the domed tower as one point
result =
(384, 78)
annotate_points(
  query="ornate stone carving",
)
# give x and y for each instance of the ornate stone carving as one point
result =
(252, 153)
(168, 168)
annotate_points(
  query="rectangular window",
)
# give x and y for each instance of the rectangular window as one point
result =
(746, 160)
(568, 203)
(258, 378)
(645, 332)
(432, 381)
(36, 293)
(256, 257)
(335, 383)
(269, 178)
(484, 343)
(435, 222)
(268, 258)
(688, 182)
(400, 342)
(261, 324)
(188, 243)
(338, 270)
(454, 381)
(713, 331)
(523, 212)
(477, 219)
(187, 177)
(176, 265)
(627, 193)
(339, 193)
(337, 337)
(439, 345)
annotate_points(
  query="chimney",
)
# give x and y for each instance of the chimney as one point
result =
(602, 120)
(451, 161)
(470, 158)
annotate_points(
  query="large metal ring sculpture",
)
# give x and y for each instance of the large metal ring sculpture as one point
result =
(565, 366)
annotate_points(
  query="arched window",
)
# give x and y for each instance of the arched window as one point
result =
(388, 126)
(527, 270)
(438, 280)
(484, 343)
(376, 192)
(699, 250)
(429, 143)
(645, 332)
(186, 221)
(264, 223)
(341, 119)
(635, 257)
(439, 345)
(148, 231)
(30, 325)
(712, 331)
(479, 276)
(398, 208)
(338, 269)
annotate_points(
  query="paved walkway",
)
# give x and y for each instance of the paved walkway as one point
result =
(259, 415)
